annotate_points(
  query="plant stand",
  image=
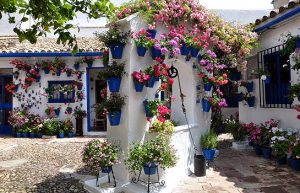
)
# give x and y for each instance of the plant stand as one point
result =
(148, 182)
(108, 176)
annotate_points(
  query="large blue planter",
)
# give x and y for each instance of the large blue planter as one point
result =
(138, 86)
(76, 66)
(141, 51)
(147, 110)
(150, 169)
(114, 84)
(57, 112)
(151, 33)
(194, 52)
(106, 169)
(185, 50)
(268, 80)
(61, 135)
(117, 50)
(151, 82)
(281, 160)
(295, 164)
(251, 101)
(114, 118)
(155, 53)
(267, 152)
(207, 86)
(46, 70)
(205, 105)
(25, 135)
(209, 154)
(19, 135)
(249, 86)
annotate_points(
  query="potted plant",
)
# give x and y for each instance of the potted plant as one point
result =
(208, 82)
(68, 110)
(89, 61)
(57, 111)
(20, 65)
(248, 85)
(113, 74)
(100, 154)
(58, 66)
(263, 74)
(12, 86)
(18, 120)
(236, 129)
(79, 114)
(151, 154)
(69, 72)
(77, 63)
(115, 40)
(151, 32)
(151, 73)
(215, 101)
(140, 79)
(279, 145)
(51, 126)
(142, 41)
(209, 142)
(50, 111)
(250, 99)
(78, 73)
(294, 91)
(155, 49)
(186, 45)
(150, 107)
(68, 127)
(166, 128)
(196, 46)
(266, 135)
(46, 65)
(61, 133)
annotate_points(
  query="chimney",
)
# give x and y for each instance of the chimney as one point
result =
(279, 3)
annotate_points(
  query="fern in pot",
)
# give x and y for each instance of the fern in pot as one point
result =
(209, 142)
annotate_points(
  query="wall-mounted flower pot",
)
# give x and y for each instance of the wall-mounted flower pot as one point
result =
(32, 135)
(209, 154)
(69, 74)
(150, 169)
(138, 86)
(114, 118)
(57, 112)
(147, 110)
(106, 169)
(249, 86)
(295, 164)
(61, 135)
(185, 50)
(79, 76)
(205, 105)
(251, 101)
(76, 66)
(19, 135)
(151, 33)
(79, 86)
(281, 160)
(25, 135)
(114, 84)
(46, 70)
(38, 78)
(16, 88)
(69, 110)
(194, 52)
(156, 78)
(57, 72)
(141, 51)
(117, 50)
(151, 82)
(207, 86)
(257, 149)
(90, 64)
(199, 57)
(155, 53)
(268, 80)
(267, 152)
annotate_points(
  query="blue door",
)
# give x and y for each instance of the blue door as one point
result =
(6, 99)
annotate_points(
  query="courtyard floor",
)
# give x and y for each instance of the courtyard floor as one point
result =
(54, 165)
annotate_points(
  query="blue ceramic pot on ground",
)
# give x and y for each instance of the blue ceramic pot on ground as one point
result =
(251, 101)
(117, 50)
(205, 105)
(185, 50)
(155, 53)
(106, 169)
(114, 118)
(267, 152)
(39, 135)
(25, 135)
(57, 112)
(281, 160)
(151, 82)
(61, 135)
(207, 86)
(70, 134)
(194, 52)
(150, 169)
(209, 154)
(295, 164)
(249, 86)
(258, 150)
(32, 135)
(151, 33)
(138, 86)
(141, 51)
(114, 84)
(46, 70)
(19, 135)
(76, 66)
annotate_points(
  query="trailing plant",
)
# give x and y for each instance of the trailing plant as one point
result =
(113, 36)
(114, 103)
(140, 77)
(142, 39)
(294, 91)
(116, 69)
(290, 43)
(166, 127)
(209, 140)
(78, 113)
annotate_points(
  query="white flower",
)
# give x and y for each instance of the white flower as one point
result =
(281, 138)
(281, 130)
(289, 133)
(263, 77)
(274, 138)
(274, 129)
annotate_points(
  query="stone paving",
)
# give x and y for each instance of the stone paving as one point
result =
(54, 165)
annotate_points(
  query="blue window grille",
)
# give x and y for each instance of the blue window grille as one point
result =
(60, 97)
(274, 94)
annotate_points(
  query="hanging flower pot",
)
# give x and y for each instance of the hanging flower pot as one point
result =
(151, 33)
(58, 72)
(155, 53)
(141, 51)
(147, 110)
(25, 135)
(209, 154)
(114, 84)
(207, 86)
(19, 135)
(76, 66)
(194, 52)
(150, 169)
(249, 86)
(57, 111)
(205, 105)
(79, 86)
(268, 80)
(114, 118)
(251, 101)
(267, 152)
(258, 150)
(46, 70)
(138, 86)
(151, 82)
(185, 50)
(295, 164)
(38, 78)
(106, 169)
(281, 160)
(117, 50)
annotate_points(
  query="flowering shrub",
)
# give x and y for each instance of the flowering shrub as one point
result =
(166, 127)
(18, 119)
(140, 77)
(233, 126)
(253, 131)
(142, 39)
(20, 65)
(279, 142)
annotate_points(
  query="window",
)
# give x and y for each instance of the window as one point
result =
(59, 95)
(274, 93)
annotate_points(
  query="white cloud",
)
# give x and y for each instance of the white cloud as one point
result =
(237, 4)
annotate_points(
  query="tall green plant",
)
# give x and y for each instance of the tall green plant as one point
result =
(116, 69)
(209, 140)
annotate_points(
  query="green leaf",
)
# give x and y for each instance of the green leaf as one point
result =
(24, 19)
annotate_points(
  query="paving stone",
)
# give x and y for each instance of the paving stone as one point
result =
(274, 189)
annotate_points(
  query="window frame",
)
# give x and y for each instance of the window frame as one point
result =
(61, 98)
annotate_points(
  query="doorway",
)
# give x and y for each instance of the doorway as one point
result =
(6, 100)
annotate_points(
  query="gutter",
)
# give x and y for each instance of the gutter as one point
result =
(49, 54)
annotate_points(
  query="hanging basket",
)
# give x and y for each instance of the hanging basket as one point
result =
(114, 118)
(141, 51)
(76, 66)
(138, 86)
(117, 50)
(205, 105)
(194, 52)
(114, 84)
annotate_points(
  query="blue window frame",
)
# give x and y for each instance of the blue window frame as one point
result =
(60, 97)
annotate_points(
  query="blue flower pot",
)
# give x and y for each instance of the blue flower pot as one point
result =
(147, 110)
(156, 78)
(114, 84)
(268, 80)
(90, 64)
(281, 160)
(258, 150)
(70, 134)
(298, 97)
(19, 135)
(239, 97)
(69, 110)
(61, 135)
(57, 112)
(79, 87)
(46, 70)
(209, 154)
(249, 86)
(141, 51)
(199, 57)
(32, 135)
(25, 135)
(155, 53)
(76, 66)
(106, 169)
(138, 86)
(267, 152)
(58, 72)
(151, 82)
(295, 164)
(117, 50)
(79, 76)
(185, 50)
(251, 101)
(205, 105)
(69, 74)
(150, 169)
(16, 88)
(298, 43)
(194, 52)
(207, 86)
(39, 135)
(114, 118)
(38, 79)
(151, 33)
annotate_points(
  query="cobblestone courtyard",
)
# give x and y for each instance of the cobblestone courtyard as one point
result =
(37, 165)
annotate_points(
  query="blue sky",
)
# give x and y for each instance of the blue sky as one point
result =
(227, 4)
